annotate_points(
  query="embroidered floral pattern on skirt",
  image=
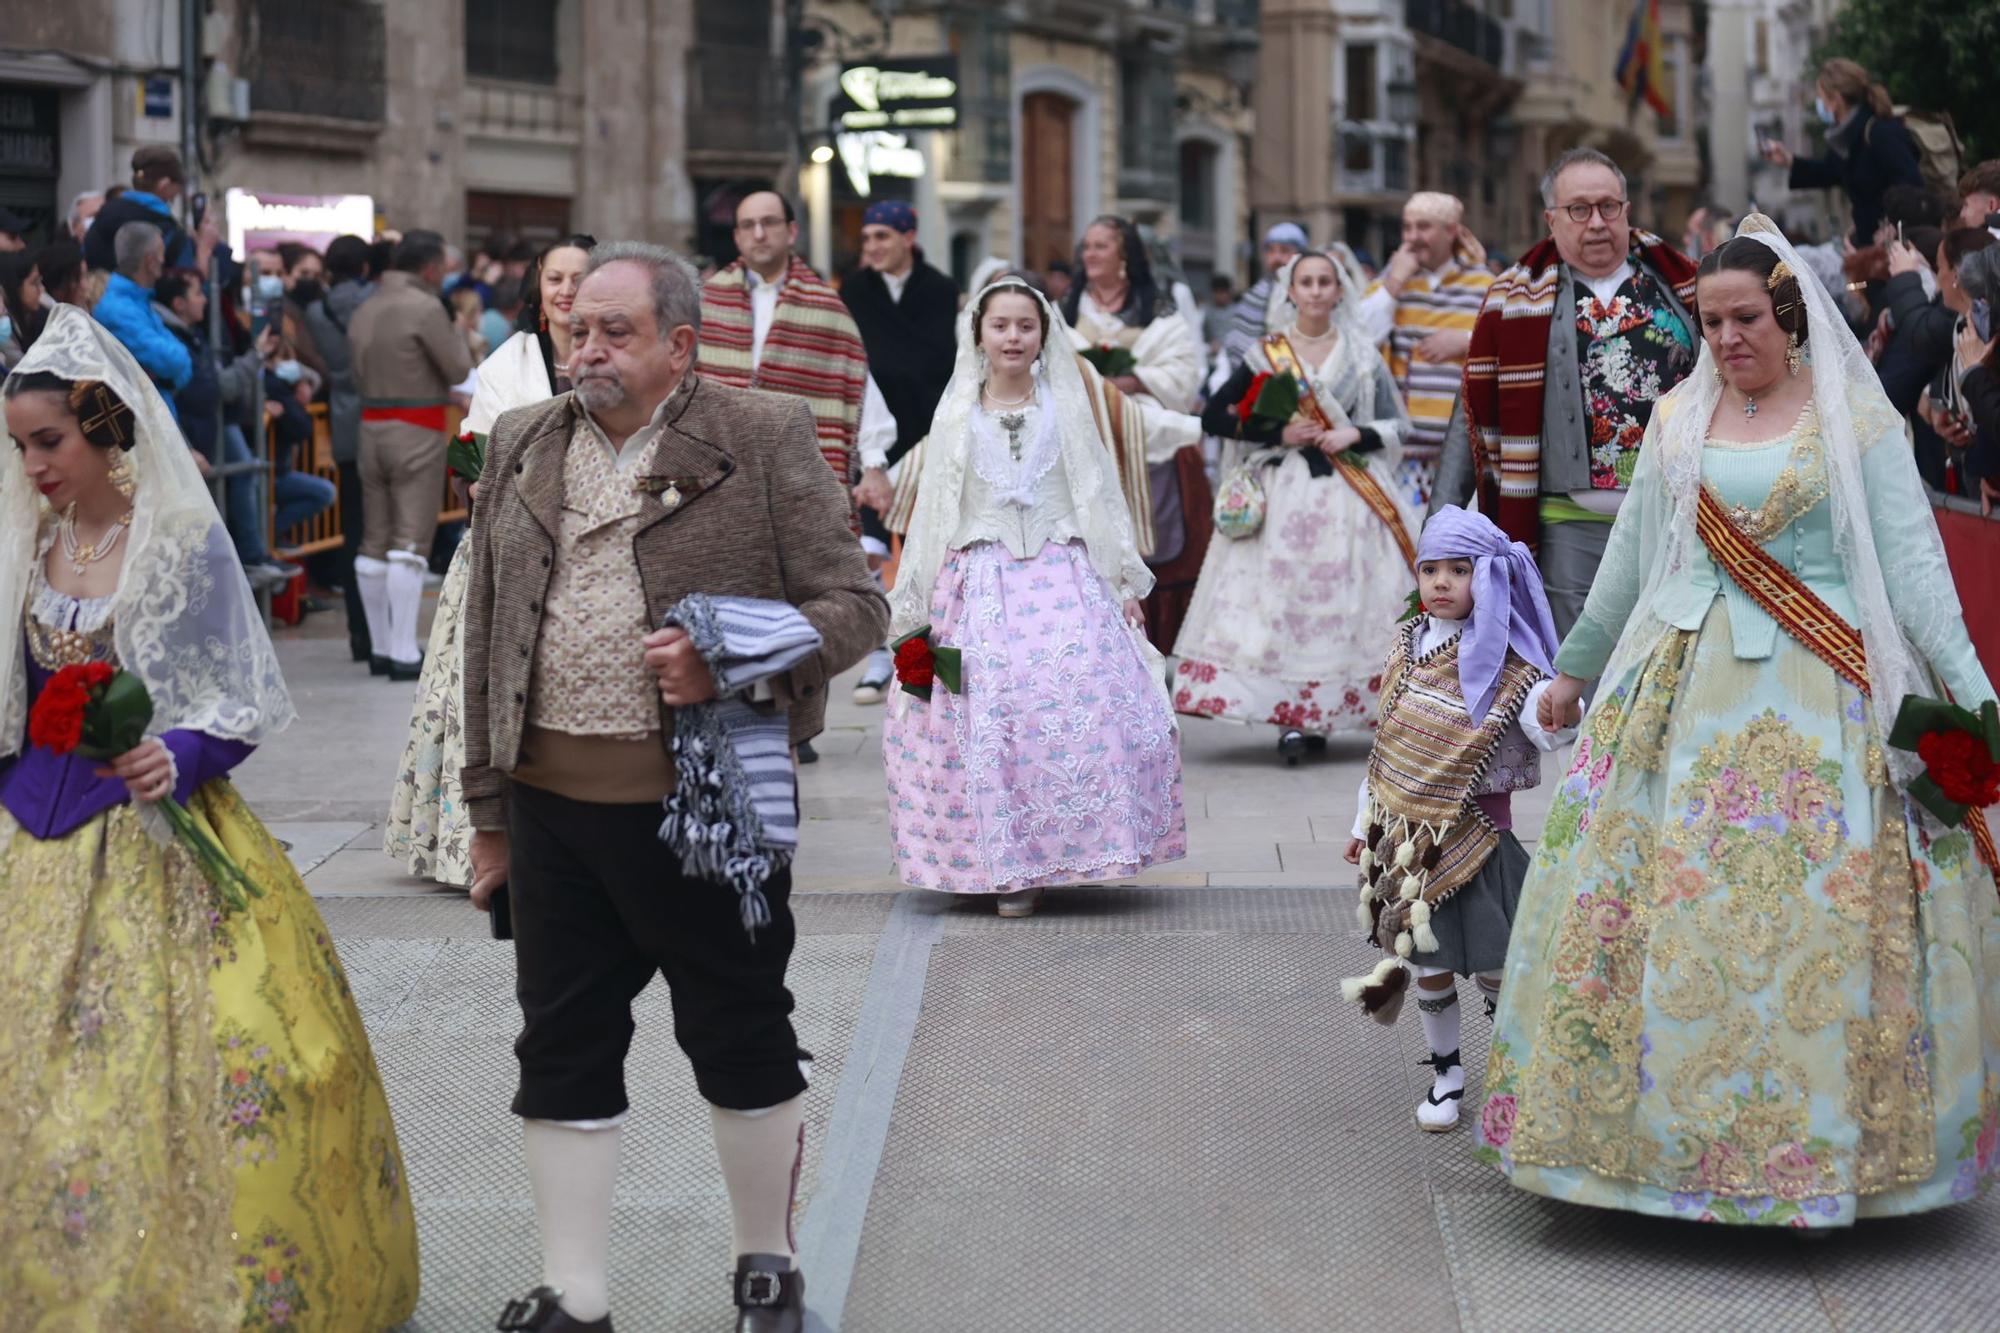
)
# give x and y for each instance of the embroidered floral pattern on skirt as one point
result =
(428, 829)
(1059, 764)
(1745, 986)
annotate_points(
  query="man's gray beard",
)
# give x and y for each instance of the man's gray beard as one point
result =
(599, 394)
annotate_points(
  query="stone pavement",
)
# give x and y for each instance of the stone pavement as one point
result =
(1145, 1108)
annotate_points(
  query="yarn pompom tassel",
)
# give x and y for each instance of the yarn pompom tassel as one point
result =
(1406, 855)
(1353, 988)
(1412, 887)
(1365, 907)
(1420, 925)
(1405, 946)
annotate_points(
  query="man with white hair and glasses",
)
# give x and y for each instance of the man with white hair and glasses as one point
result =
(1573, 346)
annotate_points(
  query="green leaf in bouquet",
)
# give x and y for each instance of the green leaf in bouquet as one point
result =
(467, 458)
(948, 665)
(117, 718)
(1112, 361)
(1931, 797)
(1279, 400)
(1918, 716)
(1412, 609)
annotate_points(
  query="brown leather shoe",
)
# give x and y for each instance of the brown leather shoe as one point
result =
(540, 1311)
(770, 1295)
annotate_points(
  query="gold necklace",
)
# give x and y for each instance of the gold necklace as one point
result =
(82, 555)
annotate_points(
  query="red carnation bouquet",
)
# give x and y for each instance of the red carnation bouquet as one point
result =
(920, 664)
(100, 712)
(466, 456)
(1273, 398)
(1961, 754)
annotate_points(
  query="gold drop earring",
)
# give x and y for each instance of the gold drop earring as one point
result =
(1795, 356)
(121, 477)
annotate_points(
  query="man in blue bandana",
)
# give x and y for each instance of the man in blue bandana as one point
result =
(907, 312)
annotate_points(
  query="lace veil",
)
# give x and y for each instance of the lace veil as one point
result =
(1101, 516)
(185, 622)
(1854, 415)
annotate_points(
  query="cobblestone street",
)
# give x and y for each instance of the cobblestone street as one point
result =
(1145, 1108)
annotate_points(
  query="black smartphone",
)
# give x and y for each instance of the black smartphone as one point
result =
(197, 210)
(501, 913)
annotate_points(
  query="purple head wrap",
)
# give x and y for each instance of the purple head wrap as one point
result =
(892, 213)
(1509, 608)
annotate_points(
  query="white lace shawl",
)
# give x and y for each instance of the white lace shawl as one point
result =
(1854, 414)
(1088, 465)
(185, 622)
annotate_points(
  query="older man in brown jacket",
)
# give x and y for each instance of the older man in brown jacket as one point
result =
(598, 512)
(406, 357)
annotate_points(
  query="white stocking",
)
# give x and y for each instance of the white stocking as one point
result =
(761, 1152)
(573, 1172)
(406, 602)
(371, 577)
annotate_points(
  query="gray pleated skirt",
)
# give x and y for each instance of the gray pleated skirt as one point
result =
(1473, 924)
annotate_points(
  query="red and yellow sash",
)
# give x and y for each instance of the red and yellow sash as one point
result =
(1801, 613)
(1286, 362)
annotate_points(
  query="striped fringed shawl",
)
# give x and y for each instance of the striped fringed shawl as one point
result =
(1426, 837)
(1505, 368)
(733, 816)
(813, 351)
(1120, 424)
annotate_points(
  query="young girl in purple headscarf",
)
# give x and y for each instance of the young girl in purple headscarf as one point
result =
(1441, 870)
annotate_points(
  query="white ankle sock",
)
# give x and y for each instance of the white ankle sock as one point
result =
(406, 602)
(573, 1172)
(761, 1153)
(371, 577)
(1441, 1030)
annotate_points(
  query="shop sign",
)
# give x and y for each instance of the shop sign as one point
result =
(902, 94)
(873, 153)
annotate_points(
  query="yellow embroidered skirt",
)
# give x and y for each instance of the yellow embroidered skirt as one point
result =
(193, 1134)
(1744, 986)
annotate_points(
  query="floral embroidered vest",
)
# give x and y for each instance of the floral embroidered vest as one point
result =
(1629, 351)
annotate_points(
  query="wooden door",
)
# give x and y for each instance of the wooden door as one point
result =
(1048, 146)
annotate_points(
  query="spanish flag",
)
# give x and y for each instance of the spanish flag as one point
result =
(1642, 70)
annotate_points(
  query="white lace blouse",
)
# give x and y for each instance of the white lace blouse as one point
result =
(1022, 503)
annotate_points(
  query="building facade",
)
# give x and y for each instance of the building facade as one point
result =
(529, 118)
(1474, 99)
(1760, 74)
(1066, 109)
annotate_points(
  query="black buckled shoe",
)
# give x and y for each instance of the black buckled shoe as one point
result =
(770, 1295)
(540, 1311)
(378, 665)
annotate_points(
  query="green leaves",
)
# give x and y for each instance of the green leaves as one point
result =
(117, 718)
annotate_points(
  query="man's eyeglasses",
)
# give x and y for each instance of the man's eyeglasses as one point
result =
(1610, 210)
(751, 225)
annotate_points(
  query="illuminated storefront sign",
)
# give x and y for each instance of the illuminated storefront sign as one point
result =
(905, 94)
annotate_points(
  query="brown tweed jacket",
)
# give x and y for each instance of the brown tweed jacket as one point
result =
(760, 515)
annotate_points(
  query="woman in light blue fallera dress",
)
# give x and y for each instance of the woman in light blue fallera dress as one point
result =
(1750, 981)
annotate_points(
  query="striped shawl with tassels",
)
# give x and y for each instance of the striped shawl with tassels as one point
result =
(813, 351)
(1426, 837)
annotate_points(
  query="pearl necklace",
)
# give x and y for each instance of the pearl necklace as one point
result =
(82, 555)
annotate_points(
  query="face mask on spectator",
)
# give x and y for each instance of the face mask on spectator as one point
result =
(306, 291)
(1825, 111)
(270, 286)
(6, 327)
(288, 371)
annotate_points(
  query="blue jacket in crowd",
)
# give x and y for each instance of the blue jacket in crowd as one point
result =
(126, 309)
(99, 249)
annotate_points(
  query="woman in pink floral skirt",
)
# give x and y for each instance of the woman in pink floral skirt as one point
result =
(1055, 759)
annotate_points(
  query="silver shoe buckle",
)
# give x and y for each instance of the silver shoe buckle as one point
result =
(762, 1289)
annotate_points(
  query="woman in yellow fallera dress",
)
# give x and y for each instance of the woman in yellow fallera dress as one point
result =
(193, 1134)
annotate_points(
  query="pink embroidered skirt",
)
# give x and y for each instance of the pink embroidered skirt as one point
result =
(1059, 763)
